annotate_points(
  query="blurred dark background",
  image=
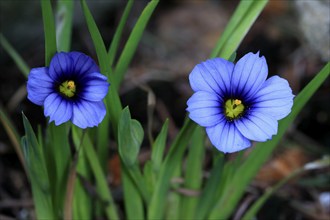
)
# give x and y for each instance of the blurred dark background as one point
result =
(294, 36)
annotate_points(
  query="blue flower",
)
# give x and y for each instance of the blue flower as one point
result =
(236, 103)
(71, 88)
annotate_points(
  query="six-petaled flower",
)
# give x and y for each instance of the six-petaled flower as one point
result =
(71, 88)
(236, 103)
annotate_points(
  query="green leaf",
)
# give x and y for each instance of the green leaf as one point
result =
(173, 198)
(132, 199)
(116, 38)
(240, 23)
(100, 49)
(262, 151)
(21, 64)
(82, 201)
(38, 174)
(130, 136)
(101, 181)
(194, 174)
(158, 148)
(58, 156)
(207, 198)
(172, 161)
(132, 42)
(64, 15)
(49, 30)
(149, 176)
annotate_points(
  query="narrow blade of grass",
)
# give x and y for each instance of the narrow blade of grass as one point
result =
(173, 197)
(98, 42)
(241, 22)
(116, 38)
(235, 19)
(158, 148)
(38, 174)
(101, 181)
(49, 30)
(132, 199)
(172, 160)
(194, 174)
(207, 198)
(58, 152)
(132, 42)
(21, 64)
(64, 15)
(236, 37)
(262, 151)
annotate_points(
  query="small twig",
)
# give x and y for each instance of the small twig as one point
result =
(11, 203)
(4, 217)
(17, 98)
(243, 207)
(188, 192)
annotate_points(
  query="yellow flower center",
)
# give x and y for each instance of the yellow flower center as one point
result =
(233, 108)
(68, 88)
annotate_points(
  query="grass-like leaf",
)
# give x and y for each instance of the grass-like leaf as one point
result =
(116, 38)
(101, 181)
(38, 174)
(207, 198)
(194, 175)
(58, 155)
(49, 30)
(172, 160)
(240, 23)
(64, 15)
(132, 42)
(132, 198)
(21, 64)
(158, 148)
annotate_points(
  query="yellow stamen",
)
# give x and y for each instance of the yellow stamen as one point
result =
(233, 108)
(68, 88)
(237, 102)
(71, 85)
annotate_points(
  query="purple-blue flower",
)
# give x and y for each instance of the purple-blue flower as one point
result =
(236, 103)
(71, 88)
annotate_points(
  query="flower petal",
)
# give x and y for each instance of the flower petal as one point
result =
(249, 74)
(95, 87)
(226, 138)
(61, 67)
(257, 126)
(88, 114)
(212, 76)
(39, 85)
(57, 108)
(205, 108)
(275, 98)
(83, 64)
